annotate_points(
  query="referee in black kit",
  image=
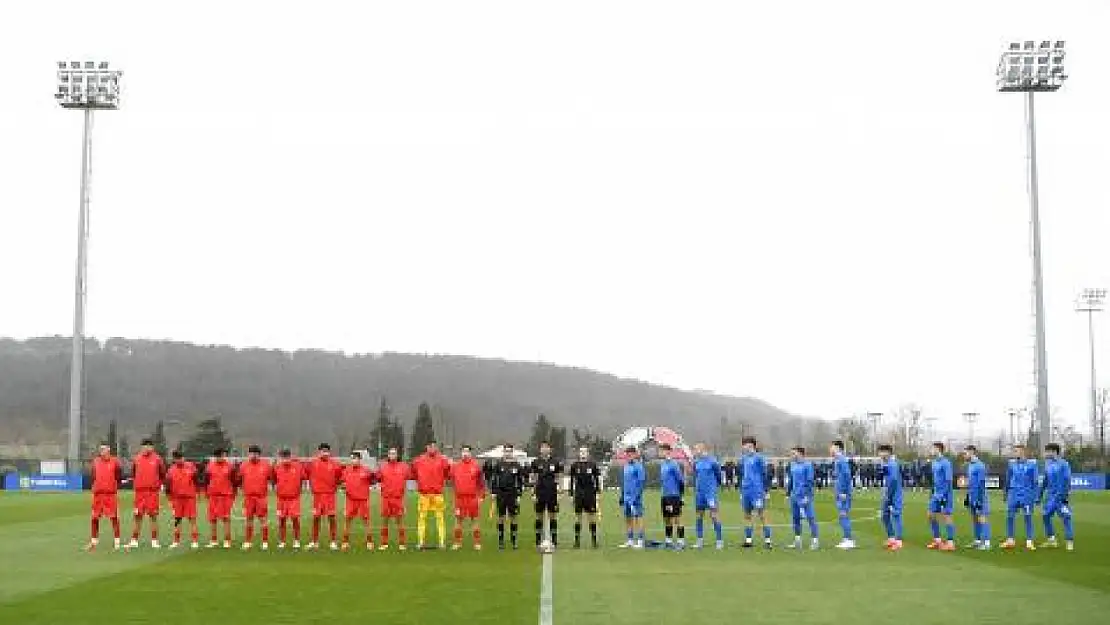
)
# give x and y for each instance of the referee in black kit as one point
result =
(507, 486)
(585, 488)
(546, 471)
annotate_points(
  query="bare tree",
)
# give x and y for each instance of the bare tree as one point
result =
(856, 434)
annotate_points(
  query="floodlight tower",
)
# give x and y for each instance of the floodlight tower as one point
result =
(1030, 67)
(971, 418)
(1091, 301)
(86, 86)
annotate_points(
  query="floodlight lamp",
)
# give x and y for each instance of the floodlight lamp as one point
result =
(1016, 71)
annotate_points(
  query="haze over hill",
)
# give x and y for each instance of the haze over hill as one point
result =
(306, 396)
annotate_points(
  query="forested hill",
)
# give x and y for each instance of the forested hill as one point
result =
(281, 397)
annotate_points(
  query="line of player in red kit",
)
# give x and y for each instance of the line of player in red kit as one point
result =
(222, 479)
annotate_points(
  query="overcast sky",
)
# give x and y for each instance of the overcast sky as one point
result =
(819, 204)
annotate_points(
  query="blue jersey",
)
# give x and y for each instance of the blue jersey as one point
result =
(707, 476)
(800, 480)
(1021, 479)
(976, 481)
(672, 482)
(1057, 478)
(632, 487)
(754, 474)
(942, 477)
(892, 474)
(842, 475)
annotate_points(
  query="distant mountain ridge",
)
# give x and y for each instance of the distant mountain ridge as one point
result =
(275, 397)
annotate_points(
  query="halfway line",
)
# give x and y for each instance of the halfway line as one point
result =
(545, 589)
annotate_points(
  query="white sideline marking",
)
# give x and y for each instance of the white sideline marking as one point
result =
(546, 590)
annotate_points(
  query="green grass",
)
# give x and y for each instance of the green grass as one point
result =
(45, 578)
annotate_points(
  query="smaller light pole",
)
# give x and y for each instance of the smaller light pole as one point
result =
(1091, 301)
(971, 418)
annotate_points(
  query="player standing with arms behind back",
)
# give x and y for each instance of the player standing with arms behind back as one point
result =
(432, 469)
(181, 486)
(799, 491)
(393, 474)
(585, 489)
(470, 490)
(941, 502)
(357, 479)
(707, 486)
(219, 478)
(148, 474)
(289, 476)
(547, 472)
(977, 500)
(891, 510)
(324, 475)
(107, 473)
(1057, 486)
(842, 491)
(672, 487)
(753, 492)
(1021, 493)
(632, 499)
(255, 476)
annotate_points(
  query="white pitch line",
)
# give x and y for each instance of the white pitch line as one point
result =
(546, 589)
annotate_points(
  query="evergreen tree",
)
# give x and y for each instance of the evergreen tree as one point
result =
(387, 433)
(541, 431)
(423, 430)
(113, 437)
(124, 447)
(558, 440)
(208, 437)
(159, 438)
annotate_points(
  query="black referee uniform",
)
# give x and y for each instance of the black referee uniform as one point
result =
(585, 486)
(547, 472)
(507, 485)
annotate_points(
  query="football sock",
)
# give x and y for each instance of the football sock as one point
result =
(512, 531)
(283, 525)
(950, 531)
(115, 527)
(458, 533)
(296, 528)
(766, 531)
(718, 531)
(1009, 524)
(1069, 530)
(668, 531)
(577, 531)
(1029, 527)
(699, 527)
(681, 532)
(95, 529)
(934, 527)
(441, 527)
(846, 527)
(539, 530)
(813, 526)
(477, 533)
(554, 531)
(316, 529)
(421, 528)
(401, 533)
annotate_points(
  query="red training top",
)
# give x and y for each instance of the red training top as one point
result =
(220, 475)
(255, 476)
(432, 471)
(107, 473)
(324, 475)
(466, 475)
(357, 480)
(394, 476)
(148, 471)
(289, 476)
(181, 479)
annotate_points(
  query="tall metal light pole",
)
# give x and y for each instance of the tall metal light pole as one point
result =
(1030, 67)
(1091, 301)
(86, 86)
(874, 418)
(971, 418)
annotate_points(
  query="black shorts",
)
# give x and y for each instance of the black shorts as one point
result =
(672, 507)
(508, 504)
(547, 502)
(585, 503)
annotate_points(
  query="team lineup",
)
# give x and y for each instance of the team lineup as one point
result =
(506, 481)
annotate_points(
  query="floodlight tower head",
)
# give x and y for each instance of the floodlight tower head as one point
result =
(1031, 66)
(1091, 300)
(87, 85)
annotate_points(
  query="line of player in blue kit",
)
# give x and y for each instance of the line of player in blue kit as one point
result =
(1025, 489)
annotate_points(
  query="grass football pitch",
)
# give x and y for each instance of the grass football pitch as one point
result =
(46, 578)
